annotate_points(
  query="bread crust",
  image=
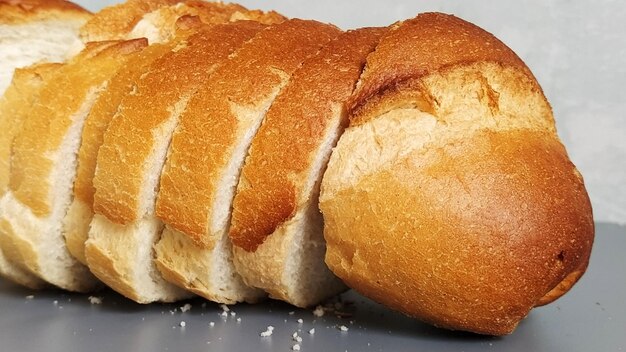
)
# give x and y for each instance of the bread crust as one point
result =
(273, 182)
(450, 197)
(199, 154)
(433, 47)
(21, 11)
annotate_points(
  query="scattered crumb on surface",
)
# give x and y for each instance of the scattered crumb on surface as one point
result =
(183, 324)
(239, 320)
(319, 311)
(95, 300)
(295, 347)
(268, 332)
(211, 324)
(312, 331)
(343, 328)
(30, 297)
(55, 302)
(232, 314)
(292, 313)
(185, 308)
(224, 314)
(300, 321)
(224, 308)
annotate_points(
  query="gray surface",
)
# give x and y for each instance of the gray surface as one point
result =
(592, 317)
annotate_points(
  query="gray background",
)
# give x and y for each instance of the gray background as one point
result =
(577, 50)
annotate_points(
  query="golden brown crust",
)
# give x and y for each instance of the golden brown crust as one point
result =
(200, 154)
(174, 76)
(15, 105)
(512, 196)
(450, 197)
(415, 48)
(46, 127)
(101, 114)
(22, 11)
(276, 171)
(115, 22)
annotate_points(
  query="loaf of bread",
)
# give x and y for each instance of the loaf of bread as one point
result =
(450, 197)
(208, 156)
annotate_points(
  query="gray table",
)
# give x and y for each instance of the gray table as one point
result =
(590, 318)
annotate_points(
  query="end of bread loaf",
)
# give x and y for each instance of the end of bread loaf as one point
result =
(450, 197)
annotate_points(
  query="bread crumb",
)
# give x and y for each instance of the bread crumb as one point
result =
(232, 314)
(183, 324)
(295, 347)
(30, 297)
(268, 332)
(343, 328)
(312, 331)
(95, 300)
(319, 311)
(292, 313)
(185, 308)
(224, 314)
(239, 320)
(211, 324)
(300, 321)
(55, 302)
(225, 308)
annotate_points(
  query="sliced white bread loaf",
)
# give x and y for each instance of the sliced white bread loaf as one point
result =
(36, 30)
(119, 249)
(15, 104)
(43, 164)
(165, 19)
(208, 150)
(276, 227)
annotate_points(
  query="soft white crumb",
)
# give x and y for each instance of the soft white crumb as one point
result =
(294, 335)
(300, 321)
(95, 300)
(211, 324)
(295, 347)
(232, 314)
(292, 313)
(312, 331)
(55, 302)
(239, 320)
(225, 308)
(268, 332)
(319, 311)
(343, 328)
(30, 297)
(183, 324)
(224, 314)
(185, 308)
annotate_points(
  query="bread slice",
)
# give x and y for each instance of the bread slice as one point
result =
(124, 230)
(277, 228)
(36, 30)
(160, 25)
(43, 164)
(117, 21)
(15, 104)
(207, 152)
(450, 197)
